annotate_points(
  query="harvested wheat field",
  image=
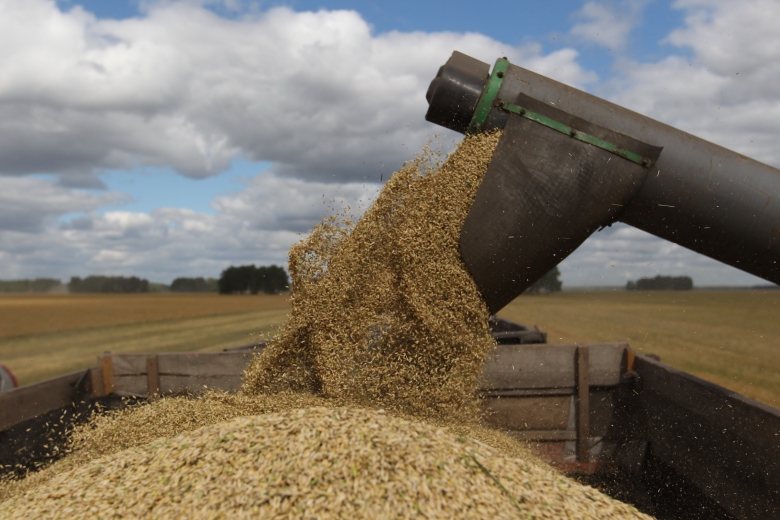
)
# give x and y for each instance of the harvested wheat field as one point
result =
(44, 335)
(363, 405)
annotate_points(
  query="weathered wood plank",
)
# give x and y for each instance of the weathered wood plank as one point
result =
(205, 364)
(96, 382)
(129, 364)
(29, 401)
(152, 375)
(551, 366)
(185, 363)
(528, 413)
(107, 367)
(138, 385)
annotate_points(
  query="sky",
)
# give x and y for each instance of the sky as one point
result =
(167, 138)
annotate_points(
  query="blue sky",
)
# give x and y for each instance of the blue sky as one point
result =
(151, 188)
(167, 138)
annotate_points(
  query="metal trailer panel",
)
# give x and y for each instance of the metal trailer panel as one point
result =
(727, 445)
(519, 367)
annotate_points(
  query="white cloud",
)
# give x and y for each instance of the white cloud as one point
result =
(330, 104)
(607, 24)
(316, 93)
(722, 85)
(30, 205)
(256, 225)
(728, 89)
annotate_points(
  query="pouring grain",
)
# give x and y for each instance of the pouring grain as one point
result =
(384, 312)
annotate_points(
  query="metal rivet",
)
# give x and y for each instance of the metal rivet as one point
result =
(500, 74)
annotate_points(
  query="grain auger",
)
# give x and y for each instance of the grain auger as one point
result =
(569, 163)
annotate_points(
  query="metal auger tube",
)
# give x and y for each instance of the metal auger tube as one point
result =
(569, 163)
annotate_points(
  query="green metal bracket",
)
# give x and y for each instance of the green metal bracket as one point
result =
(485, 102)
(576, 134)
(488, 100)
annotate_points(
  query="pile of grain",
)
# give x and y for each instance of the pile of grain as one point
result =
(384, 312)
(111, 433)
(314, 463)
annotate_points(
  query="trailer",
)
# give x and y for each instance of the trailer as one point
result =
(668, 442)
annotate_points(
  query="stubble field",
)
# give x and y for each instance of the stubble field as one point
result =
(727, 337)
(45, 335)
(731, 338)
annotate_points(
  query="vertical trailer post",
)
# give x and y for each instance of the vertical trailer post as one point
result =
(583, 405)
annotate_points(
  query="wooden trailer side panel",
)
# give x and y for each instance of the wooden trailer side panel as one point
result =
(178, 372)
(560, 397)
(553, 366)
(30, 401)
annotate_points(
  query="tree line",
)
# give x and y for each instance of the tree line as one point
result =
(250, 279)
(661, 283)
(233, 280)
(108, 284)
(197, 285)
(39, 285)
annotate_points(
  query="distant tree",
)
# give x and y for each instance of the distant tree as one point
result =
(549, 283)
(272, 279)
(108, 284)
(661, 283)
(39, 285)
(236, 279)
(194, 285)
(248, 278)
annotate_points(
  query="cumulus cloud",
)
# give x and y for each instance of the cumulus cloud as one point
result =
(315, 92)
(256, 225)
(607, 24)
(330, 104)
(728, 89)
(30, 205)
(721, 84)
